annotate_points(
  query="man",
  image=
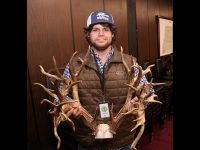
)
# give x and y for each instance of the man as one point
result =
(103, 81)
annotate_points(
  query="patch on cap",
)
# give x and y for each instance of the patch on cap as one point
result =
(99, 17)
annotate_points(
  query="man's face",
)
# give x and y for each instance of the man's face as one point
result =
(100, 37)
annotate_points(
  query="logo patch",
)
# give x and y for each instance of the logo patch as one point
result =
(103, 16)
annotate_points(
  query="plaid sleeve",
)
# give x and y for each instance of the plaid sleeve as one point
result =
(143, 81)
(67, 75)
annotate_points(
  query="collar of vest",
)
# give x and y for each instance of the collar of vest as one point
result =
(90, 62)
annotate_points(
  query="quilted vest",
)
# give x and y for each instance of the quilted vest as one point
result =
(115, 91)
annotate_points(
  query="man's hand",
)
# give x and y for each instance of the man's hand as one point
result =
(72, 109)
(132, 104)
(76, 110)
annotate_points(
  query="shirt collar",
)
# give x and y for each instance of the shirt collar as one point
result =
(97, 56)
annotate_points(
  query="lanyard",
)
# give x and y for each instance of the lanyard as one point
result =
(101, 76)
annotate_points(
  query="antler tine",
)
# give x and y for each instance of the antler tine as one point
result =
(49, 75)
(61, 111)
(151, 99)
(140, 121)
(47, 101)
(125, 65)
(57, 108)
(134, 60)
(61, 76)
(66, 117)
(56, 68)
(86, 55)
(148, 70)
(139, 75)
(83, 62)
(131, 90)
(155, 84)
(75, 75)
(48, 91)
(72, 57)
(129, 71)
(133, 145)
(72, 84)
(88, 118)
(140, 117)
(56, 122)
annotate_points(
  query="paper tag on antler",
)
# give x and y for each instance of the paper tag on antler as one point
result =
(104, 110)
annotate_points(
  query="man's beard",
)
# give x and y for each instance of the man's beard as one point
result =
(100, 48)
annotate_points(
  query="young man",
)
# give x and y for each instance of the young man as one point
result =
(103, 81)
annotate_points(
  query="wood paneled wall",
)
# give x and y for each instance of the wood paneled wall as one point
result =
(147, 38)
(55, 28)
(80, 11)
(49, 33)
(119, 11)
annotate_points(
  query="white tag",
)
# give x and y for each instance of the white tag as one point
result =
(104, 110)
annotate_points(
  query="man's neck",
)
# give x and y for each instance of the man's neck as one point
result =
(103, 53)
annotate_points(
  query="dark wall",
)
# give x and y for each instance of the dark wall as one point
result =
(147, 35)
(55, 28)
(132, 28)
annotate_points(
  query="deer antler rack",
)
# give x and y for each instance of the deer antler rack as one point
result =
(61, 111)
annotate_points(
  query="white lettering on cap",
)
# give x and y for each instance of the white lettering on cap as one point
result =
(103, 16)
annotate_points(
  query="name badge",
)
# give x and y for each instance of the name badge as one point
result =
(104, 110)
